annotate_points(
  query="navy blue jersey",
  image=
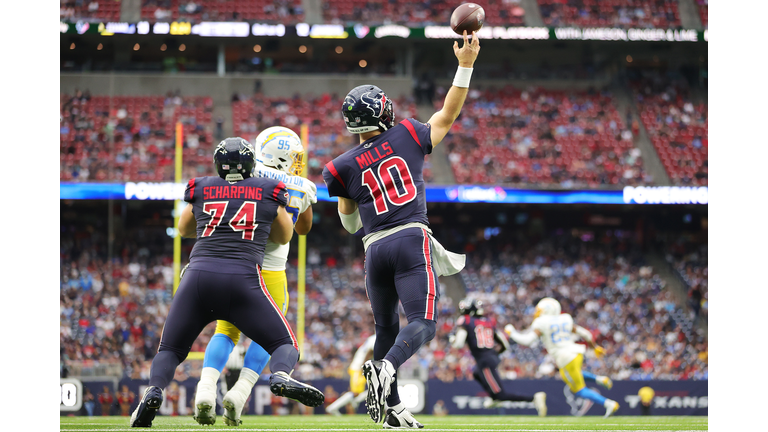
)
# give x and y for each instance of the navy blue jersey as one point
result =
(384, 176)
(480, 337)
(234, 220)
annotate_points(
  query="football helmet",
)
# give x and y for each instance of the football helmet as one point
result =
(281, 149)
(367, 108)
(547, 306)
(471, 307)
(234, 159)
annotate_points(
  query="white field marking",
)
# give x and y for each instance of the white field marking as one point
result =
(366, 429)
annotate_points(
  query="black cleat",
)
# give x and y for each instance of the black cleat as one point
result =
(280, 384)
(148, 406)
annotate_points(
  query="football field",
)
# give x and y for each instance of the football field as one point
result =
(431, 423)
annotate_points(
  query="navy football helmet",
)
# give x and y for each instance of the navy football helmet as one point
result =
(471, 307)
(234, 159)
(366, 108)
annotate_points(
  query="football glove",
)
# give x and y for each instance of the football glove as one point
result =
(599, 351)
(509, 329)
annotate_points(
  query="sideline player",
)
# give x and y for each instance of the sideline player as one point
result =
(558, 333)
(281, 159)
(481, 335)
(232, 215)
(380, 186)
(357, 392)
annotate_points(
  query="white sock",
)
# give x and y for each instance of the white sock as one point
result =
(209, 377)
(398, 408)
(340, 402)
(359, 398)
(245, 382)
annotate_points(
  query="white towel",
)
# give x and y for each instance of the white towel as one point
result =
(446, 262)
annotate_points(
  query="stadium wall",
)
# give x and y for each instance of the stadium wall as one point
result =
(676, 398)
(222, 88)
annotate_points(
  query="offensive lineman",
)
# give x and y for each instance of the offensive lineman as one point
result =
(381, 189)
(281, 159)
(232, 216)
(481, 335)
(558, 333)
(357, 392)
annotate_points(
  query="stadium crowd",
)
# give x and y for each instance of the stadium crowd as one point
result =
(677, 124)
(555, 13)
(139, 130)
(600, 278)
(543, 138)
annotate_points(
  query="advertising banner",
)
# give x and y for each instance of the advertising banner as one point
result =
(673, 398)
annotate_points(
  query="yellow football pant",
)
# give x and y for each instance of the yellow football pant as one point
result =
(356, 381)
(572, 375)
(277, 285)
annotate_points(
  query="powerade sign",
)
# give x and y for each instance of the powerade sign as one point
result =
(666, 195)
(459, 194)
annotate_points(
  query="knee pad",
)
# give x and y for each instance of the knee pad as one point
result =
(227, 328)
(430, 326)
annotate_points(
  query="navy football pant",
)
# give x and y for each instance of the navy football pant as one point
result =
(218, 289)
(490, 380)
(399, 268)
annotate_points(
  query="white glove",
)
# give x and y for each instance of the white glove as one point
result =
(509, 329)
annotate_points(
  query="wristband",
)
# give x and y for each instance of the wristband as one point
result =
(462, 77)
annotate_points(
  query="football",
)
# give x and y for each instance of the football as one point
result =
(469, 17)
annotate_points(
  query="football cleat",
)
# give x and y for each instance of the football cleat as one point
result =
(402, 420)
(148, 405)
(233, 407)
(205, 405)
(611, 406)
(489, 403)
(605, 382)
(540, 403)
(280, 384)
(379, 375)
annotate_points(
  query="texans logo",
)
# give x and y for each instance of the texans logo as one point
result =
(361, 30)
(374, 104)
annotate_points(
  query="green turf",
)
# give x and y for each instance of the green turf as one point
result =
(432, 423)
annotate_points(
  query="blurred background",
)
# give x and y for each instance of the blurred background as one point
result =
(577, 169)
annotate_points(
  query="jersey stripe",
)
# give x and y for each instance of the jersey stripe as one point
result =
(491, 381)
(411, 129)
(274, 305)
(280, 186)
(191, 188)
(430, 315)
(333, 172)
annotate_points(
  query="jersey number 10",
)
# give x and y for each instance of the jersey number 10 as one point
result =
(394, 165)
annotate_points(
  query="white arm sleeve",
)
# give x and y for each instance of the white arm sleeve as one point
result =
(527, 338)
(461, 338)
(352, 222)
(584, 333)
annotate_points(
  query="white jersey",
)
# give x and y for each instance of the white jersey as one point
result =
(362, 353)
(303, 193)
(558, 337)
